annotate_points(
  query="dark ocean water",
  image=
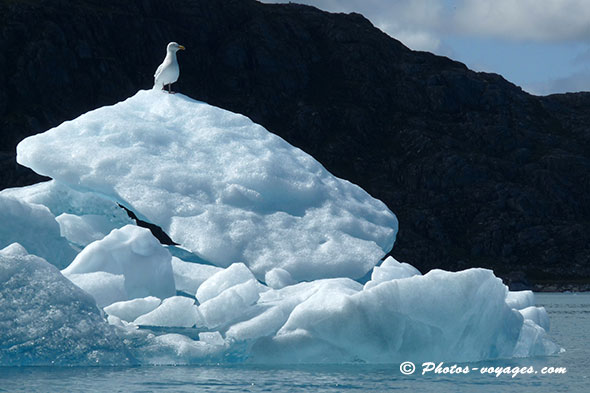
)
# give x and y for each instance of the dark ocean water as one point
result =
(570, 328)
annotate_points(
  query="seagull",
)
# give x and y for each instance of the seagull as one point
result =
(167, 73)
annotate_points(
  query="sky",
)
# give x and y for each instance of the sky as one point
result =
(541, 45)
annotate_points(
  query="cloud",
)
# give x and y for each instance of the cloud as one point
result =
(578, 81)
(534, 20)
(417, 40)
(424, 22)
(459, 28)
(413, 22)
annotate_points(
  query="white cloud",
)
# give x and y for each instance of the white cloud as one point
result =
(432, 25)
(578, 81)
(534, 20)
(413, 22)
(417, 40)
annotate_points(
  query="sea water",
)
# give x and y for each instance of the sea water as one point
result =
(567, 372)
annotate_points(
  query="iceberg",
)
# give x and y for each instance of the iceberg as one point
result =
(538, 315)
(278, 278)
(130, 310)
(230, 305)
(34, 227)
(47, 320)
(272, 251)
(520, 299)
(218, 184)
(188, 276)
(106, 288)
(83, 230)
(440, 316)
(236, 274)
(437, 316)
(176, 311)
(391, 269)
(131, 253)
(83, 216)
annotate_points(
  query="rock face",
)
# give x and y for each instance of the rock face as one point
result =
(478, 172)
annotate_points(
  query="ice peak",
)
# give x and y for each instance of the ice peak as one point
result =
(219, 184)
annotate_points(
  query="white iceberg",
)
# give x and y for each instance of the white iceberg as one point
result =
(289, 239)
(131, 252)
(218, 184)
(278, 278)
(175, 311)
(441, 315)
(230, 305)
(106, 288)
(130, 310)
(213, 338)
(236, 274)
(519, 300)
(35, 227)
(83, 216)
(275, 306)
(462, 316)
(85, 229)
(188, 276)
(47, 320)
(391, 269)
(538, 315)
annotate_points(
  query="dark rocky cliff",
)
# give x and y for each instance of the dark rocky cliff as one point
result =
(478, 172)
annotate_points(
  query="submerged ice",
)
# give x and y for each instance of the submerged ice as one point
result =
(271, 245)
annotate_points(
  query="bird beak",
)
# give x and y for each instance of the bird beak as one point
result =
(181, 47)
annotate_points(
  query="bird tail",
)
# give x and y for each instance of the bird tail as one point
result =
(157, 84)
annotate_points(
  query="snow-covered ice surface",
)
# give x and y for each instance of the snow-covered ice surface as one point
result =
(288, 238)
(219, 184)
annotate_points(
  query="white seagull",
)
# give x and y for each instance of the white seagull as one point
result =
(167, 73)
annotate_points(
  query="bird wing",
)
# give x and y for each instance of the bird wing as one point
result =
(159, 70)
